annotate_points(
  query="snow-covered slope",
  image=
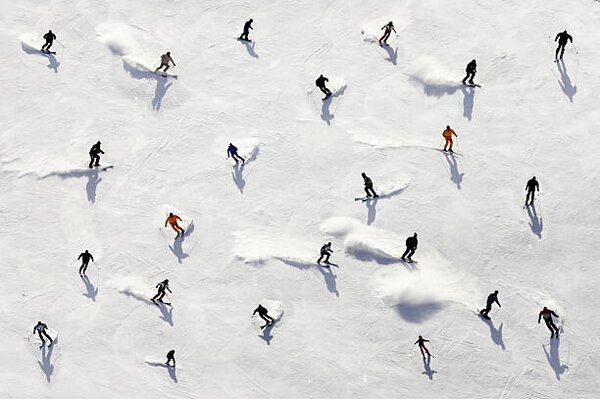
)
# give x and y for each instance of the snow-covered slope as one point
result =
(345, 332)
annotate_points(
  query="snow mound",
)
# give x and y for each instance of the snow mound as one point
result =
(434, 77)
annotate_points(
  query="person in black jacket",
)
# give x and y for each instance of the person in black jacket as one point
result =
(247, 27)
(320, 82)
(411, 247)
(493, 297)
(325, 253)
(264, 314)
(471, 71)
(531, 187)
(95, 152)
(421, 341)
(41, 328)
(171, 356)
(85, 259)
(49, 37)
(368, 186)
(162, 286)
(563, 38)
(547, 315)
(389, 27)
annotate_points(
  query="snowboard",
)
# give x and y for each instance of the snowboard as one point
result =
(327, 264)
(471, 84)
(47, 52)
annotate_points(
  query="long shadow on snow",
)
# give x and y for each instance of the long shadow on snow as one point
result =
(172, 371)
(238, 170)
(249, 47)
(266, 334)
(566, 85)
(469, 97)
(427, 367)
(177, 247)
(52, 62)
(437, 89)
(166, 313)
(418, 312)
(45, 363)
(455, 176)
(371, 204)
(392, 54)
(326, 114)
(328, 275)
(92, 291)
(93, 176)
(161, 83)
(554, 358)
(496, 334)
(536, 224)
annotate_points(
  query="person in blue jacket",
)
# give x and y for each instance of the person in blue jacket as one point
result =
(232, 152)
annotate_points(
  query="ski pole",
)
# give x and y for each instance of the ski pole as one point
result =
(60, 43)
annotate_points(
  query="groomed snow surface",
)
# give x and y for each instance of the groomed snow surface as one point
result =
(254, 231)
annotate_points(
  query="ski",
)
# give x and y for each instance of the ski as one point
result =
(47, 52)
(167, 75)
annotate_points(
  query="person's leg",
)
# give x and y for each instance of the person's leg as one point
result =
(527, 197)
(411, 253)
(472, 77)
(97, 158)
(242, 159)
(446, 143)
(465, 79)
(532, 196)
(450, 142)
(422, 353)
(84, 268)
(49, 338)
(91, 160)
(327, 258)
(155, 296)
(405, 253)
(367, 191)
(557, 51)
(41, 338)
(49, 45)
(554, 327)
(320, 258)
(550, 328)
(562, 52)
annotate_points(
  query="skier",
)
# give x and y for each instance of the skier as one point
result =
(531, 187)
(421, 341)
(247, 27)
(389, 27)
(368, 186)
(162, 286)
(563, 38)
(263, 313)
(232, 152)
(49, 37)
(172, 220)
(95, 152)
(411, 247)
(41, 330)
(471, 71)
(325, 253)
(448, 136)
(493, 297)
(320, 82)
(547, 315)
(170, 356)
(165, 59)
(85, 259)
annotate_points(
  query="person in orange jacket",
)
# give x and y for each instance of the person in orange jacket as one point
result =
(448, 136)
(172, 220)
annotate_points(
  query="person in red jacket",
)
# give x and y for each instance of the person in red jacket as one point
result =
(172, 220)
(448, 136)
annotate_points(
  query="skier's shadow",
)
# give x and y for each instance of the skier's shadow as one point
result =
(330, 278)
(469, 97)
(371, 204)
(496, 334)
(52, 62)
(238, 170)
(427, 367)
(92, 183)
(166, 313)
(172, 370)
(455, 176)
(392, 54)
(177, 247)
(554, 358)
(249, 47)
(566, 85)
(536, 224)
(266, 333)
(92, 291)
(418, 312)
(326, 114)
(45, 362)
(159, 92)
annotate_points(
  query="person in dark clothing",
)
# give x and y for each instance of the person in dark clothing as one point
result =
(531, 187)
(263, 313)
(547, 315)
(165, 62)
(325, 253)
(247, 27)
(162, 286)
(421, 341)
(41, 328)
(320, 82)
(85, 259)
(389, 27)
(471, 71)
(49, 37)
(493, 297)
(563, 38)
(232, 152)
(170, 356)
(411, 247)
(368, 186)
(95, 152)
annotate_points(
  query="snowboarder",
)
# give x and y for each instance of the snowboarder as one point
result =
(531, 187)
(41, 330)
(389, 27)
(170, 356)
(95, 152)
(172, 220)
(411, 247)
(448, 136)
(325, 253)
(563, 38)
(165, 59)
(232, 152)
(471, 71)
(547, 315)
(493, 297)
(263, 313)
(368, 186)
(85, 259)
(320, 82)
(421, 341)
(49, 37)
(247, 27)
(162, 286)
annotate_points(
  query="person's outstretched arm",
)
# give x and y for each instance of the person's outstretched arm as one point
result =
(393, 29)
(79, 257)
(553, 314)
(166, 222)
(91, 257)
(557, 36)
(539, 317)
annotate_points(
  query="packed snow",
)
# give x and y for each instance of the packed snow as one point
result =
(254, 231)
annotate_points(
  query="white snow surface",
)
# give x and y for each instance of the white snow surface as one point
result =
(254, 231)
